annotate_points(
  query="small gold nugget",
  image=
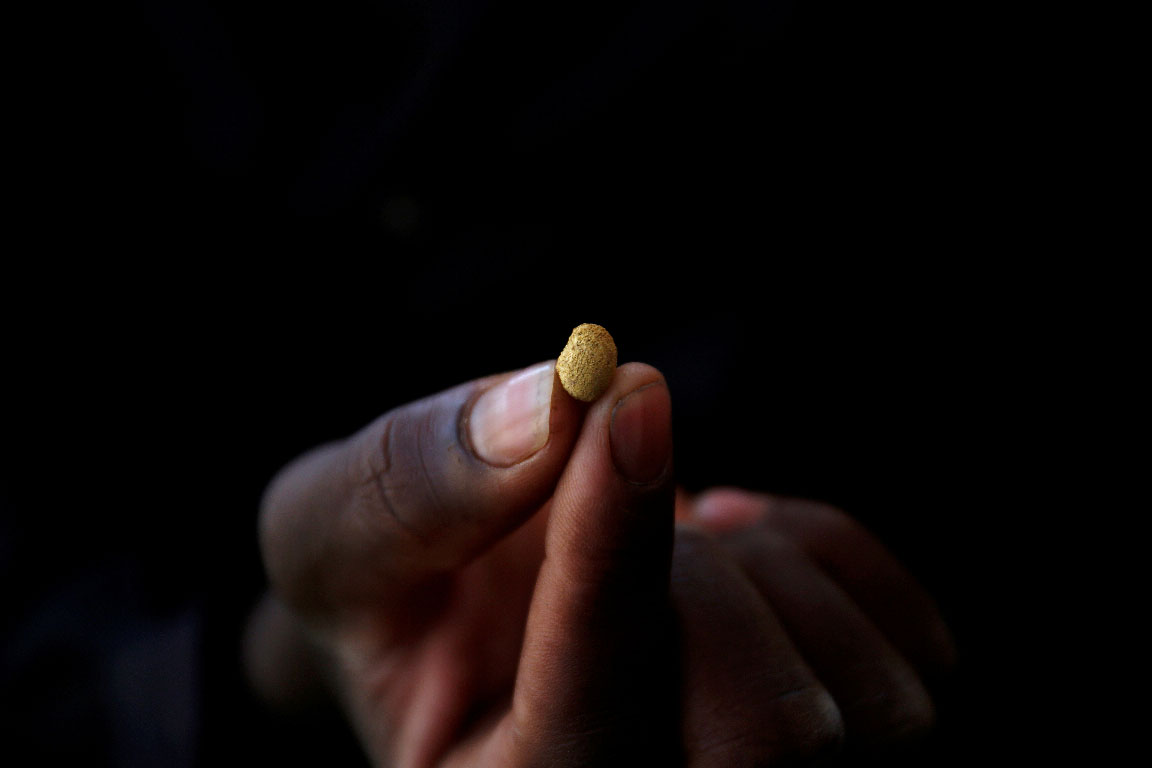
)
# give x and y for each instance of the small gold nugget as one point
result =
(588, 362)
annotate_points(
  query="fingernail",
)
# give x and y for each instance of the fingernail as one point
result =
(641, 433)
(722, 509)
(509, 422)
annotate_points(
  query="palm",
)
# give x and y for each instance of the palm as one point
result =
(457, 655)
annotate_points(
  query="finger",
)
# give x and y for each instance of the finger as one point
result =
(880, 696)
(749, 698)
(585, 688)
(418, 492)
(856, 560)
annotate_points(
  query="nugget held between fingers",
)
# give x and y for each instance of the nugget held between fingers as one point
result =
(588, 362)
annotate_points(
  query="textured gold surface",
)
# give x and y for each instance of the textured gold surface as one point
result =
(588, 362)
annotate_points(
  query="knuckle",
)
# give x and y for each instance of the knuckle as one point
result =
(911, 718)
(903, 712)
(281, 491)
(797, 728)
(391, 477)
(920, 721)
(371, 466)
(809, 728)
(286, 497)
(291, 545)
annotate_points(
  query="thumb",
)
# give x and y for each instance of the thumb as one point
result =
(420, 491)
(590, 672)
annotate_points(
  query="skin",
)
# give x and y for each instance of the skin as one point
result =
(573, 609)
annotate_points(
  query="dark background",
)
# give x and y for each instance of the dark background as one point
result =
(267, 225)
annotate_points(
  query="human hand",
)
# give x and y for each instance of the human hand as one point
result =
(801, 635)
(491, 586)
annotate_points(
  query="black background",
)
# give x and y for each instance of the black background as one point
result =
(260, 227)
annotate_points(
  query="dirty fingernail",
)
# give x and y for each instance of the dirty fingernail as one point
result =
(641, 433)
(510, 421)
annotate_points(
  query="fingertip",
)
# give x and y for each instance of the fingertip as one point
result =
(632, 376)
(728, 509)
(617, 485)
(640, 431)
(941, 654)
(627, 432)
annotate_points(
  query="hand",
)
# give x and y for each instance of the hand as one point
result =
(801, 634)
(485, 578)
(487, 572)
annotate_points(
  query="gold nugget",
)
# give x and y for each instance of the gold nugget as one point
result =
(588, 362)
